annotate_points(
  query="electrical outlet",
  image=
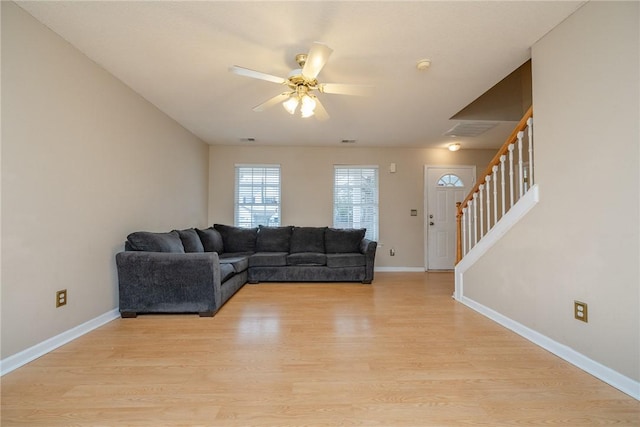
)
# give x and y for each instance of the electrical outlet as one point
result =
(61, 298)
(580, 311)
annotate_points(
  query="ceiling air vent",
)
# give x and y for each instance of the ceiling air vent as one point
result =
(470, 129)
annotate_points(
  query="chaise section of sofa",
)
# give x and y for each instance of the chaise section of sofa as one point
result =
(171, 273)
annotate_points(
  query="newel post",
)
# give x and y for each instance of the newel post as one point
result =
(458, 232)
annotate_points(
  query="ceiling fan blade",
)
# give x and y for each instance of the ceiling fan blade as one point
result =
(346, 89)
(320, 113)
(316, 58)
(241, 71)
(273, 101)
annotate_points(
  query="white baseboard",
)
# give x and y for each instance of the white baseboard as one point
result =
(399, 269)
(608, 375)
(22, 358)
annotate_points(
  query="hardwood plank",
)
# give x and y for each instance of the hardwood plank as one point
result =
(400, 352)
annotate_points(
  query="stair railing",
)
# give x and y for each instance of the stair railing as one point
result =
(504, 182)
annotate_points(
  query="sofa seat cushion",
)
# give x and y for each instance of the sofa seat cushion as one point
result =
(346, 260)
(226, 271)
(239, 262)
(155, 242)
(340, 241)
(307, 239)
(268, 259)
(273, 239)
(307, 258)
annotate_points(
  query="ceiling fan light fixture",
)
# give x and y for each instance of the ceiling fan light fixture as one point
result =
(301, 82)
(306, 113)
(454, 147)
(291, 104)
(308, 106)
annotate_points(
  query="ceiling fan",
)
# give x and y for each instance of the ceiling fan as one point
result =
(302, 83)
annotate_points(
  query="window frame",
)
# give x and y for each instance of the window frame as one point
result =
(269, 200)
(368, 208)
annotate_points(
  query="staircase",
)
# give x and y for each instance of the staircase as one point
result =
(505, 194)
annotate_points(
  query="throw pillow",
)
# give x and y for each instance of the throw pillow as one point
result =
(211, 240)
(340, 241)
(190, 240)
(307, 239)
(273, 239)
(155, 242)
(237, 239)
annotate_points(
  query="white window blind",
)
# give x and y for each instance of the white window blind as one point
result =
(257, 197)
(355, 198)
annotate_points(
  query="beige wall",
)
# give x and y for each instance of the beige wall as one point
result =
(581, 242)
(85, 161)
(307, 188)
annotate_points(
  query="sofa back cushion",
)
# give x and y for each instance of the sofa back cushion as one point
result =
(273, 239)
(340, 241)
(211, 240)
(307, 239)
(155, 242)
(237, 239)
(190, 240)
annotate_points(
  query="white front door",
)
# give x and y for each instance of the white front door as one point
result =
(444, 186)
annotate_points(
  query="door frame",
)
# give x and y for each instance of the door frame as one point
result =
(425, 205)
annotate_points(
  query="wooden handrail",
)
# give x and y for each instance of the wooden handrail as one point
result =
(522, 125)
(459, 233)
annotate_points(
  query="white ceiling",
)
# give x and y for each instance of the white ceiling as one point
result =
(176, 54)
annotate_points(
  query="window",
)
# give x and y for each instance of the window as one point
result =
(355, 198)
(450, 180)
(257, 198)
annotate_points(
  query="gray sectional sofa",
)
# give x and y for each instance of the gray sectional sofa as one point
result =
(198, 270)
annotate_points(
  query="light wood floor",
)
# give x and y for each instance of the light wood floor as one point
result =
(400, 352)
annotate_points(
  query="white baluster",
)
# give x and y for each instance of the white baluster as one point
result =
(488, 180)
(475, 219)
(520, 170)
(469, 221)
(530, 135)
(464, 232)
(502, 187)
(495, 194)
(511, 147)
(481, 206)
